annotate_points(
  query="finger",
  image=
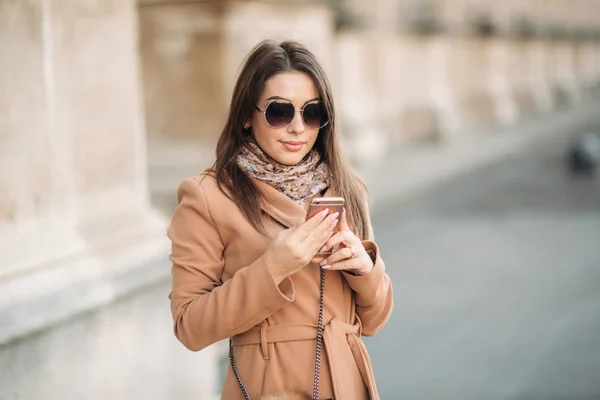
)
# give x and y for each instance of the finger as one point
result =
(344, 222)
(341, 237)
(316, 239)
(306, 227)
(344, 253)
(347, 265)
(325, 226)
(318, 259)
(312, 241)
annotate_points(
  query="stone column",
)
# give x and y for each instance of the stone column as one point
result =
(460, 65)
(538, 59)
(405, 88)
(564, 71)
(358, 44)
(359, 117)
(501, 65)
(76, 229)
(589, 28)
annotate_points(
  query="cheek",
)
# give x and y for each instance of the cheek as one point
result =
(313, 136)
(257, 122)
(262, 131)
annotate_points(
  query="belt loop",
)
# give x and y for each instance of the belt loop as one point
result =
(359, 325)
(264, 345)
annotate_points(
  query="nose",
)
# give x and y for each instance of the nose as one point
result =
(297, 124)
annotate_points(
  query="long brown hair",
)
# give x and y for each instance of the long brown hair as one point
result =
(264, 61)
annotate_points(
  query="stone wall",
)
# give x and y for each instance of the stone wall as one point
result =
(446, 69)
(76, 228)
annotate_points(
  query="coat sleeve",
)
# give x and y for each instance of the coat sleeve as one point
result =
(374, 292)
(205, 309)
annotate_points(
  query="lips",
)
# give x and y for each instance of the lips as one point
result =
(293, 146)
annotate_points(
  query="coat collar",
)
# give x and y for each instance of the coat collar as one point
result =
(277, 205)
(280, 207)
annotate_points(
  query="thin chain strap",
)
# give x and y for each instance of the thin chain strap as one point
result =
(317, 375)
(236, 372)
(319, 337)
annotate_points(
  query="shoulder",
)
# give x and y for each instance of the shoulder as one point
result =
(203, 185)
(203, 191)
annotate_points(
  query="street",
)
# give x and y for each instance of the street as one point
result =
(497, 296)
(497, 287)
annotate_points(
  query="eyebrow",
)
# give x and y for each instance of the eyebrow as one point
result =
(283, 98)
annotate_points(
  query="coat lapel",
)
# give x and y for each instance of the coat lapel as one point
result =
(280, 207)
(277, 205)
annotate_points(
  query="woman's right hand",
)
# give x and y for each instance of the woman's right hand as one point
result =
(293, 248)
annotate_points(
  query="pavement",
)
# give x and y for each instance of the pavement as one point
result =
(497, 284)
(495, 259)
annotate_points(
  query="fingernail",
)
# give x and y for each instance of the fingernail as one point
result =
(335, 215)
(323, 263)
(324, 212)
(333, 224)
(325, 266)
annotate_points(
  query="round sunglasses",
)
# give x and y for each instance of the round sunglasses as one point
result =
(280, 113)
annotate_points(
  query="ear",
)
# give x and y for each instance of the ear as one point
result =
(247, 125)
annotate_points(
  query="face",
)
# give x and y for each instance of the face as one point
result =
(289, 144)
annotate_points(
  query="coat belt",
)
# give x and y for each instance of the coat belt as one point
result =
(339, 352)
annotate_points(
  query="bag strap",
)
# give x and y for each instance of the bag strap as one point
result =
(317, 374)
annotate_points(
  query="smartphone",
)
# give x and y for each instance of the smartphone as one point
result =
(334, 204)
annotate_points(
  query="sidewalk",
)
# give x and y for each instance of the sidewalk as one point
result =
(419, 168)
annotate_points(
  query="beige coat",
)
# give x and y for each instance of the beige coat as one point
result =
(222, 288)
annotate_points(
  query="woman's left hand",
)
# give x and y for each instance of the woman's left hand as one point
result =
(349, 253)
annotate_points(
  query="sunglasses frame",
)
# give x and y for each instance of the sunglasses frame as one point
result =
(301, 111)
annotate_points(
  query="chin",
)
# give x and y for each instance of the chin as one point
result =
(290, 159)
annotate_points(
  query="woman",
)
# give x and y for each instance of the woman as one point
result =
(243, 253)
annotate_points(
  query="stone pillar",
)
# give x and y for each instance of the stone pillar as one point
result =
(501, 59)
(443, 91)
(589, 30)
(564, 72)
(76, 229)
(362, 32)
(182, 69)
(594, 49)
(538, 59)
(358, 99)
(460, 67)
(405, 88)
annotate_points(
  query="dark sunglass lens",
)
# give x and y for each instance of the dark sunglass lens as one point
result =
(314, 115)
(279, 114)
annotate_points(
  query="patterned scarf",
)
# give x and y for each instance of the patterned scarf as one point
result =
(299, 182)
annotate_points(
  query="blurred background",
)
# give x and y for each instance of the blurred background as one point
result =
(474, 122)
